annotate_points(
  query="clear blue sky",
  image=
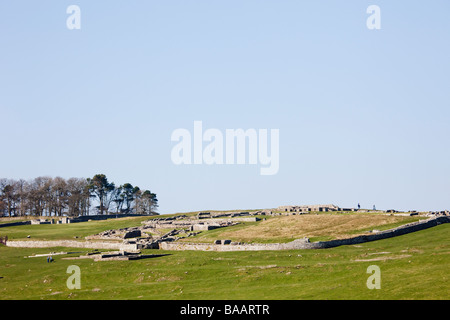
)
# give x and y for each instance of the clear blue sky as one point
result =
(363, 114)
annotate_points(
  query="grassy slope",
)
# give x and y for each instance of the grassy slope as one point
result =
(414, 267)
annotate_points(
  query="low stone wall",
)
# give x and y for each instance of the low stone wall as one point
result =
(246, 219)
(70, 244)
(304, 243)
(187, 223)
(296, 244)
(219, 220)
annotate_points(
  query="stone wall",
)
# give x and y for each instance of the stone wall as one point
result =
(296, 244)
(309, 208)
(219, 220)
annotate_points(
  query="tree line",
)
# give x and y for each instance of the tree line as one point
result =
(46, 196)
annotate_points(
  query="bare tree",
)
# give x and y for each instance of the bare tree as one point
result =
(78, 196)
(57, 197)
(148, 202)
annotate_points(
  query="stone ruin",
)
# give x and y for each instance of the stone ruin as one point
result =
(128, 236)
(221, 214)
(154, 231)
(163, 233)
(41, 221)
(96, 255)
(237, 215)
(438, 213)
(118, 234)
(61, 220)
(228, 245)
(190, 224)
(312, 208)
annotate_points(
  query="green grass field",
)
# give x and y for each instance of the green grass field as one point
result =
(413, 266)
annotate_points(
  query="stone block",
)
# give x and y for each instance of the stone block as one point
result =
(132, 234)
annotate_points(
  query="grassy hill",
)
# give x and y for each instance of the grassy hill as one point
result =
(413, 266)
